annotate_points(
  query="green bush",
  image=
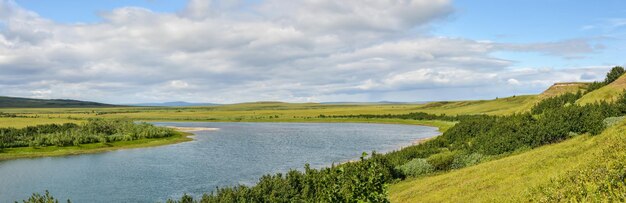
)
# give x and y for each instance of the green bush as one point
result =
(611, 121)
(462, 160)
(416, 167)
(441, 161)
(45, 198)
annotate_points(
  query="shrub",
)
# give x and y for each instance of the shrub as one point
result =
(38, 198)
(464, 160)
(416, 167)
(611, 121)
(441, 161)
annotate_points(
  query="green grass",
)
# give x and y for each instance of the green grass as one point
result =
(265, 111)
(23, 122)
(508, 179)
(30, 152)
(607, 93)
(501, 106)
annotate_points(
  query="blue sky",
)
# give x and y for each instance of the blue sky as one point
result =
(228, 51)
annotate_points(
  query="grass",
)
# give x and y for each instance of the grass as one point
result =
(562, 88)
(23, 122)
(30, 152)
(265, 111)
(507, 179)
(500, 106)
(607, 93)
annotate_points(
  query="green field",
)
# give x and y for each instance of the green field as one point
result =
(278, 111)
(23, 122)
(264, 112)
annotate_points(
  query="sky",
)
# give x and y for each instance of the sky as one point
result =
(232, 51)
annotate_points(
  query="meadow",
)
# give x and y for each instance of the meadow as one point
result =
(265, 112)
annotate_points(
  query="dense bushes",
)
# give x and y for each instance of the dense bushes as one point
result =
(556, 102)
(362, 181)
(69, 134)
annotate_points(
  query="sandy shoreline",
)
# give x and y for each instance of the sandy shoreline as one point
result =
(192, 129)
(422, 140)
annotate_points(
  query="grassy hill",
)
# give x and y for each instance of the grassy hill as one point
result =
(498, 106)
(607, 93)
(16, 102)
(514, 178)
(562, 88)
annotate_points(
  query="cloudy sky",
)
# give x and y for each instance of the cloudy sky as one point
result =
(229, 51)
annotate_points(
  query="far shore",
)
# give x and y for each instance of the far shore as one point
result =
(192, 129)
(52, 151)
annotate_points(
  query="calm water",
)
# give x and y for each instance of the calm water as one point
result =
(238, 153)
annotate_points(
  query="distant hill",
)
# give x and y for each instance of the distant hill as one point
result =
(17, 102)
(607, 93)
(174, 104)
(562, 88)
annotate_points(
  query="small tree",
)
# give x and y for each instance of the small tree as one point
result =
(615, 73)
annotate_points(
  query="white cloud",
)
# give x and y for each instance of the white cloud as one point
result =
(284, 50)
(513, 81)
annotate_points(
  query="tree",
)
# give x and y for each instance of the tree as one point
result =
(615, 73)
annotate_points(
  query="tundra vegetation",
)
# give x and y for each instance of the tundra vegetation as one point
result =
(474, 140)
(70, 134)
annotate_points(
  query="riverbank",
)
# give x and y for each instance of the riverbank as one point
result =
(50, 151)
(191, 129)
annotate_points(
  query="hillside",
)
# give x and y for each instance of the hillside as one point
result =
(512, 178)
(500, 106)
(16, 102)
(607, 93)
(562, 88)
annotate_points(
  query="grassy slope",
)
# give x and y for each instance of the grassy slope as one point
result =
(499, 106)
(29, 152)
(562, 88)
(510, 178)
(607, 93)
